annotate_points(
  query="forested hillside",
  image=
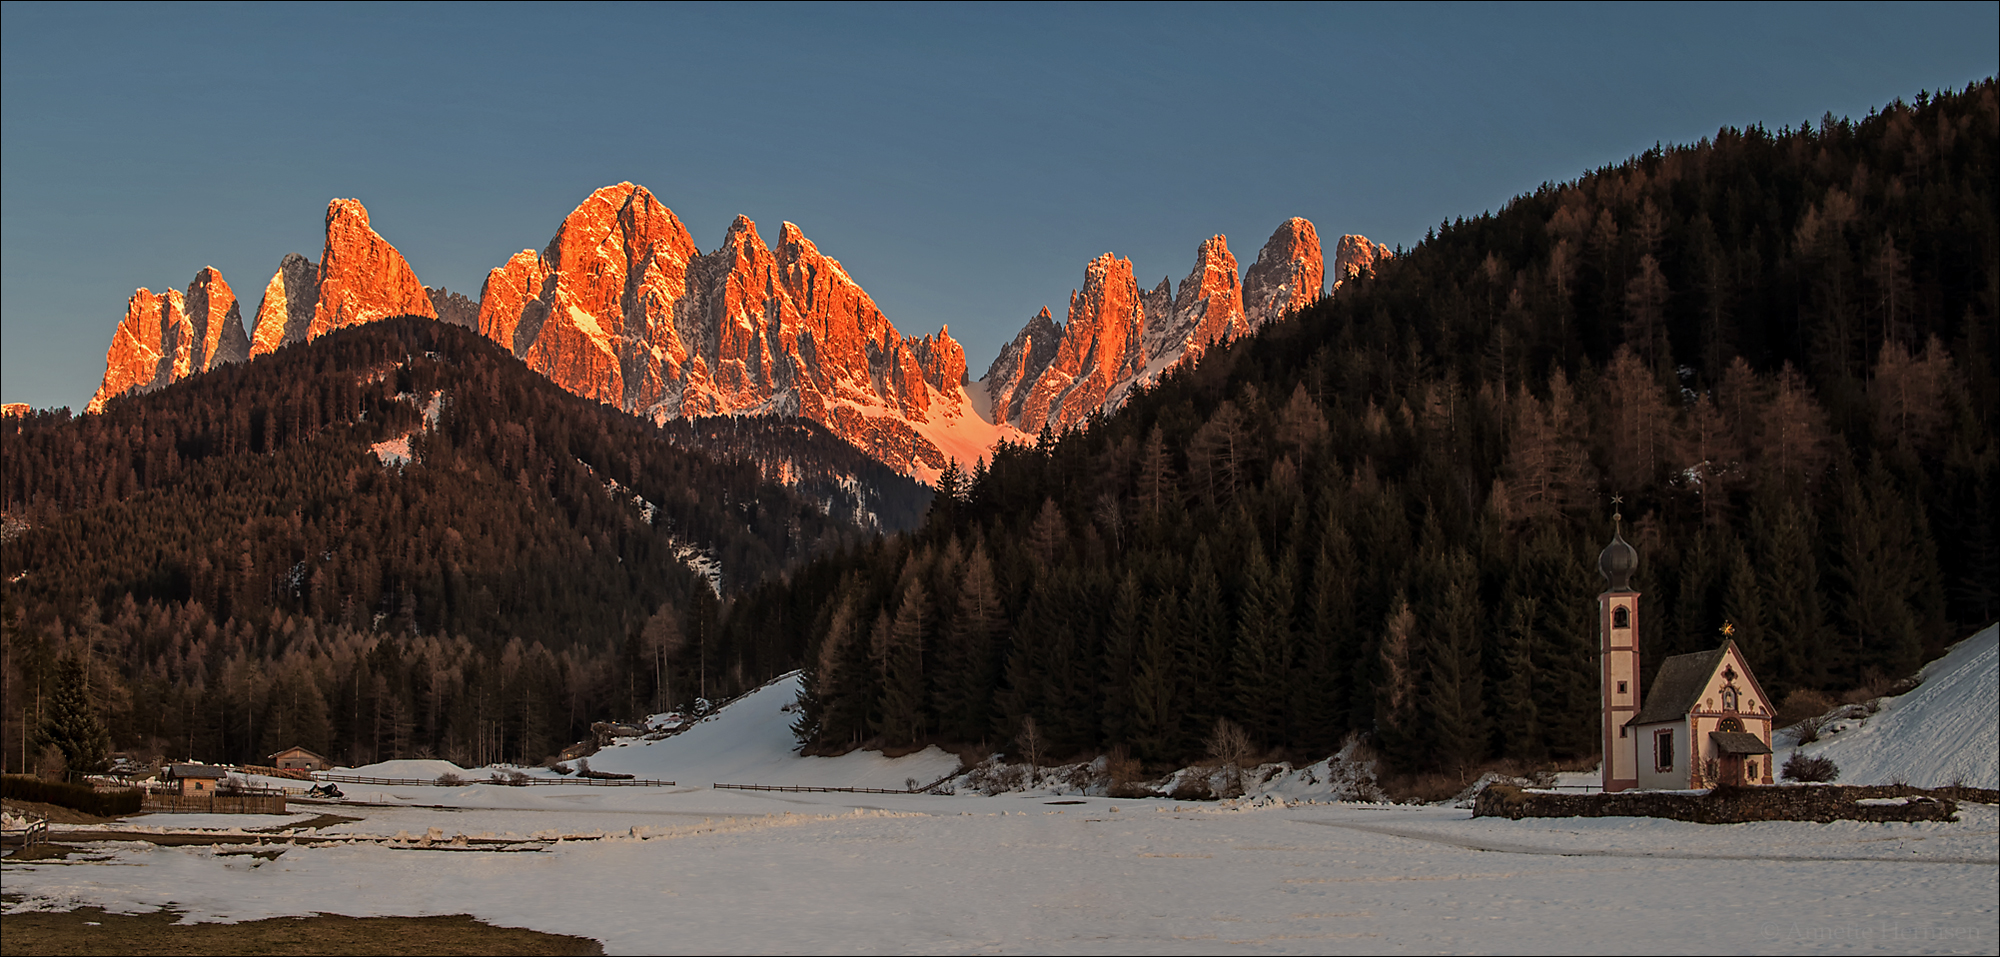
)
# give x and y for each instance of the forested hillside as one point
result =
(1383, 516)
(393, 540)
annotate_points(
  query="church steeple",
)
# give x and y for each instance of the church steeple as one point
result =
(1618, 560)
(1618, 655)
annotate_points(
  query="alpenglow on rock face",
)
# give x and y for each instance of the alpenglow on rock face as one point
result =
(1354, 254)
(1118, 337)
(622, 307)
(359, 278)
(171, 336)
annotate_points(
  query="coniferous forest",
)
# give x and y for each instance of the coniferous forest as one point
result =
(237, 570)
(1383, 515)
(1379, 516)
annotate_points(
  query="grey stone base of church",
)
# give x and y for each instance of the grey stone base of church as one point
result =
(1736, 805)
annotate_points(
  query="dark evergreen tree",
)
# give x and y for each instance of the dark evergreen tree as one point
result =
(73, 725)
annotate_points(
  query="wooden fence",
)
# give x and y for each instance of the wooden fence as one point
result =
(36, 832)
(174, 802)
(799, 788)
(296, 774)
(523, 782)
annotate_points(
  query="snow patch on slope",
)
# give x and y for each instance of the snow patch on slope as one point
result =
(395, 452)
(750, 742)
(963, 429)
(1940, 733)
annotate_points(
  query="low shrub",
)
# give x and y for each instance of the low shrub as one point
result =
(1804, 703)
(449, 780)
(76, 797)
(1811, 770)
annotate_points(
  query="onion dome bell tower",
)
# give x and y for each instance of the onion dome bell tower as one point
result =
(1618, 656)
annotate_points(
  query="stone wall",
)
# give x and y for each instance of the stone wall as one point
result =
(1822, 803)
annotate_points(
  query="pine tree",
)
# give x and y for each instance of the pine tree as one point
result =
(1327, 659)
(964, 698)
(1518, 717)
(1395, 690)
(1205, 641)
(1261, 664)
(1881, 567)
(902, 718)
(1124, 633)
(1455, 693)
(1158, 705)
(1789, 582)
(1565, 676)
(73, 726)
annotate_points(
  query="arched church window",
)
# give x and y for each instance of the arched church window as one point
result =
(1621, 617)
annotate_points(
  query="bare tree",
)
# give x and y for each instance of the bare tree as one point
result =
(1231, 745)
(1030, 740)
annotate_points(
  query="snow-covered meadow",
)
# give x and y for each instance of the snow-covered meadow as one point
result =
(693, 868)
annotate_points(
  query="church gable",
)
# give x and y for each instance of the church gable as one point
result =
(1731, 688)
(1707, 681)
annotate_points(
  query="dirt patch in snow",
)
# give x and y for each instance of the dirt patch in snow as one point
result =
(91, 930)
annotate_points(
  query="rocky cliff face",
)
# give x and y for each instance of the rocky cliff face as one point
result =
(454, 308)
(171, 336)
(621, 306)
(1119, 337)
(361, 277)
(286, 312)
(1288, 274)
(1355, 253)
(1020, 365)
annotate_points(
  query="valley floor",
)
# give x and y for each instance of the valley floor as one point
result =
(647, 870)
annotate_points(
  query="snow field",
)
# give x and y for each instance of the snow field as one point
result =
(1945, 731)
(690, 868)
(750, 742)
(1013, 873)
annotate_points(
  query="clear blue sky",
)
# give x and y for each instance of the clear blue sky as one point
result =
(962, 162)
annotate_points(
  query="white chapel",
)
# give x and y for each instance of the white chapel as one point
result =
(1705, 721)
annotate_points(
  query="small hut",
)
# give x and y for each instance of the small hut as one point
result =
(196, 778)
(298, 759)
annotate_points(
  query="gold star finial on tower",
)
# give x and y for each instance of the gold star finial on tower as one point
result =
(1728, 630)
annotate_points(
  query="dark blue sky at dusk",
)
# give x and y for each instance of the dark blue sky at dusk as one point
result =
(963, 163)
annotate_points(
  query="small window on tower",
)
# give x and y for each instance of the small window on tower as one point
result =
(1621, 617)
(1621, 731)
(1621, 687)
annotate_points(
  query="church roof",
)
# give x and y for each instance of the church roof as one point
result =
(1738, 742)
(1678, 686)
